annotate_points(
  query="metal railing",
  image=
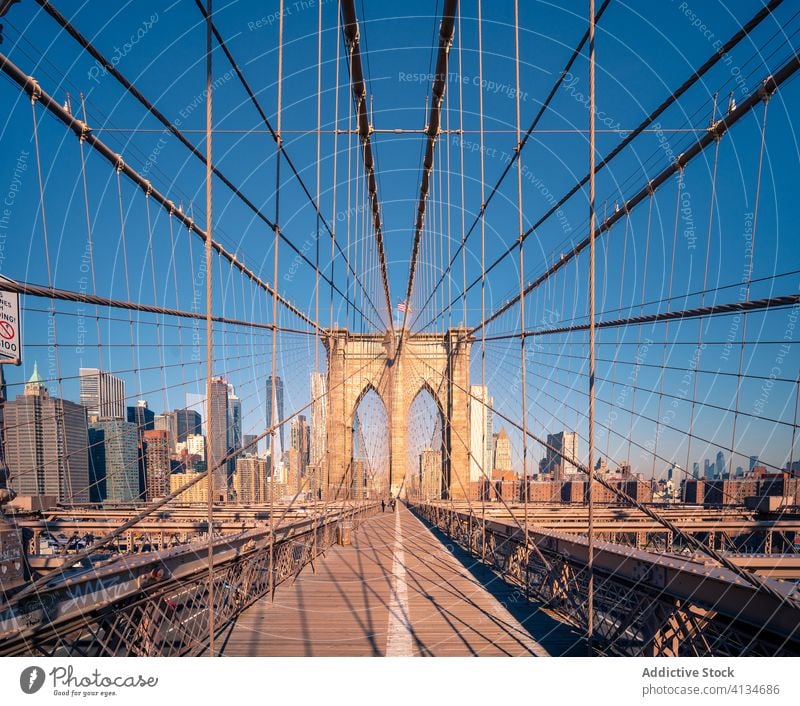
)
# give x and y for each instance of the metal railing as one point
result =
(156, 603)
(645, 604)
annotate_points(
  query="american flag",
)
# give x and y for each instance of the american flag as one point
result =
(401, 307)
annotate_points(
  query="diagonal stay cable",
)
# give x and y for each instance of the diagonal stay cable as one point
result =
(772, 303)
(754, 580)
(514, 157)
(719, 54)
(52, 293)
(432, 131)
(33, 586)
(34, 90)
(172, 129)
(350, 31)
(257, 105)
(713, 134)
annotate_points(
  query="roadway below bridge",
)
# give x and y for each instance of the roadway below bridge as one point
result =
(397, 590)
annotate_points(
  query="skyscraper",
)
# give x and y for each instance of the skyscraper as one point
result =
(196, 445)
(250, 479)
(753, 463)
(196, 494)
(119, 441)
(144, 419)
(720, 464)
(300, 439)
(319, 407)
(187, 421)
(217, 446)
(103, 394)
(481, 441)
(97, 465)
(566, 443)
(430, 474)
(293, 472)
(278, 404)
(168, 422)
(142, 416)
(234, 430)
(196, 402)
(158, 465)
(234, 420)
(249, 443)
(45, 444)
(502, 451)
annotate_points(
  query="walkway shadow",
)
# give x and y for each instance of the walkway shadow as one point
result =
(559, 639)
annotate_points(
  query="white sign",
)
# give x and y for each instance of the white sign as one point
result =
(10, 340)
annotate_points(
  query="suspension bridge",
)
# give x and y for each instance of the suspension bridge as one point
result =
(301, 370)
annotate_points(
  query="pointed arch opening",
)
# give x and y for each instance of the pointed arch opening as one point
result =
(368, 469)
(425, 446)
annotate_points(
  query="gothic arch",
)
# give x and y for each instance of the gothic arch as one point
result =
(425, 386)
(365, 390)
(438, 363)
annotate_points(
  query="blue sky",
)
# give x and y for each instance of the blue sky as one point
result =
(644, 51)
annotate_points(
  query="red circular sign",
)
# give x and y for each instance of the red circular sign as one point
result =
(6, 330)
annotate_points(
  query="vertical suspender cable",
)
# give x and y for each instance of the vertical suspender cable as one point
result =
(461, 169)
(314, 454)
(590, 562)
(274, 400)
(319, 171)
(89, 242)
(213, 461)
(794, 421)
(449, 209)
(617, 347)
(35, 94)
(134, 354)
(700, 345)
(639, 328)
(467, 401)
(350, 177)
(679, 188)
(520, 225)
(325, 472)
(334, 215)
(748, 284)
(442, 230)
(484, 393)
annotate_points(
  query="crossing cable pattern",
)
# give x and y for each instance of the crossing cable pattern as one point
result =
(712, 137)
(352, 38)
(432, 131)
(173, 129)
(314, 200)
(724, 308)
(82, 131)
(696, 76)
(539, 357)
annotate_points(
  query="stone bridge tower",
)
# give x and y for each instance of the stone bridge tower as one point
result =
(358, 363)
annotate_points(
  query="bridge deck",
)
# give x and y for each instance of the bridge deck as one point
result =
(397, 591)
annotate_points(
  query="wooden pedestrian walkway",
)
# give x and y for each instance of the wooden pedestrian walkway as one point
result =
(398, 590)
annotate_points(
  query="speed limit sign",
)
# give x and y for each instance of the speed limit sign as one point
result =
(10, 339)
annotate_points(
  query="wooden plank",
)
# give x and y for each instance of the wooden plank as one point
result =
(343, 609)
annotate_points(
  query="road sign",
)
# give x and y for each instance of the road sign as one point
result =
(10, 340)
